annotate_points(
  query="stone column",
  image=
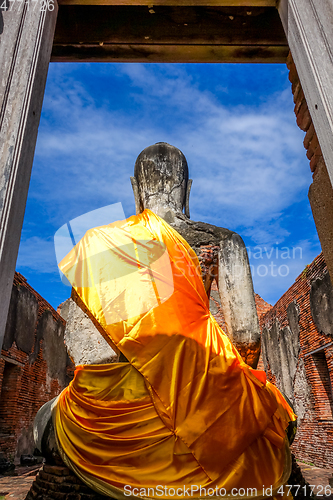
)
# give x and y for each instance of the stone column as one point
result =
(309, 28)
(308, 25)
(26, 37)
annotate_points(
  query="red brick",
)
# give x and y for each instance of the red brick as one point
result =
(303, 118)
(293, 76)
(309, 136)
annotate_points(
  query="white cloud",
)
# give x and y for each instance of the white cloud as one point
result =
(247, 162)
(37, 254)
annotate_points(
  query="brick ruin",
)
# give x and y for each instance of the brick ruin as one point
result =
(34, 366)
(297, 353)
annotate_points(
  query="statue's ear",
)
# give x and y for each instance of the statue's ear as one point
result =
(136, 194)
(187, 198)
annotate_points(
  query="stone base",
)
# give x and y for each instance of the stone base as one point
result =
(57, 482)
(54, 482)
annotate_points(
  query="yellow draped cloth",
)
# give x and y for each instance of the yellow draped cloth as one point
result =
(185, 411)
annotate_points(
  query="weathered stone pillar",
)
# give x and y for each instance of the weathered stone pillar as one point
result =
(309, 28)
(26, 36)
(308, 25)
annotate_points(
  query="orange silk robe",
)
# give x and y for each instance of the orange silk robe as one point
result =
(185, 411)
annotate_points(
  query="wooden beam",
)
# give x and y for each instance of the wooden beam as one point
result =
(169, 53)
(176, 3)
(169, 34)
(168, 25)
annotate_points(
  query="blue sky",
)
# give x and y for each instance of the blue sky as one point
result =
(234, 123)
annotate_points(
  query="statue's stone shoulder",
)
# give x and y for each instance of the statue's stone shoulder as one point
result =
(200, 233)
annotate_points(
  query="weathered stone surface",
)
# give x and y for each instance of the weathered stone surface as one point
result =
(84, 342)
(236, 291)
(312, 397)
(54, 351)
(25, 50)
(161, 174)
(321, 201)
(321, 302)
(21, 321)
(293, 313)
(302, 391)
(43, 431)
(198, 234)
(11, 320)
(281, 347)
(26, 317)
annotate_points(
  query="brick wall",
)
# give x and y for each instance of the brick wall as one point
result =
(306, 340)
(34, 366)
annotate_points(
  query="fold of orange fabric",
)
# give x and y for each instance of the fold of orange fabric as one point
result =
(186, 409)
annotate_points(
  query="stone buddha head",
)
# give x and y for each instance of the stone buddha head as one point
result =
(161, 182)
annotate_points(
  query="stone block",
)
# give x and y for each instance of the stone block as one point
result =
(51, 477)
(321, 302)
(57, 470)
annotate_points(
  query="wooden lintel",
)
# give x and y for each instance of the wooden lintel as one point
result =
(170, 34)
(169, 53)
(189, 26)
(176, 3)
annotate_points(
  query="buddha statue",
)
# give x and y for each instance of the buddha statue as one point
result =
(185, 407)
(161, 183)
